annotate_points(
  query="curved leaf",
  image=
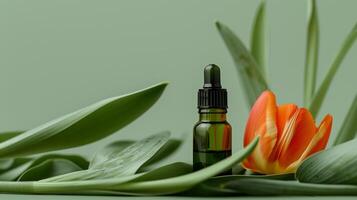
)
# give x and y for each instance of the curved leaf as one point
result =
(167, 171)
(8, 163)
(89, 187)
(322, 91)
(9, 134)
(348, 129)
(112, 148)
(185, 182)
(251, 78)
(169, 148)
(336, 165)
(216, 186)
(15, 168)
(21, 165)
(49, 168)
(258, 40)
(267, 187)
(118, 162)
(85, 125)
(312, 51)
(174, 180)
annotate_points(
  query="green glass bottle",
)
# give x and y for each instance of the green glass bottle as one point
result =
(212, 134)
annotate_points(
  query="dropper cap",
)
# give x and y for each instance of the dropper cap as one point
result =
(212, 95)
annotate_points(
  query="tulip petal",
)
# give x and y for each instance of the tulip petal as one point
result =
(285, 112)
(321, 137)
(318, 142)
(262, 122)
(297, 135)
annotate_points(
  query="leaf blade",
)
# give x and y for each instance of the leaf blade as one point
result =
(322, 90)
(252, 80)
(21, 164)
(312, 51)
(335, 165)
(348, 129)
(185, 182)
(97, 121)
(49, 168)
(216, 186)
(269, 187)
(258, 41)
(9, 134)
(118, 162)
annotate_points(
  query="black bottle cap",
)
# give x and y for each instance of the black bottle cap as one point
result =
(212, 95)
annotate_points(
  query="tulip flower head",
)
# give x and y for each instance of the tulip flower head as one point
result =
(288, 135)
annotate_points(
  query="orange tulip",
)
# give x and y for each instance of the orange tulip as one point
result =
(288, 135)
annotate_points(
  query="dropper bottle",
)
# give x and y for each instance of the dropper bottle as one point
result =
(212, 133)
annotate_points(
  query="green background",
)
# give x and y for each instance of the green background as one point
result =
(59, 56)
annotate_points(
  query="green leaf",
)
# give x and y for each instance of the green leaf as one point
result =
(21, 165)
(49, 168)
(169, 148)
(336, 165)
(185, 182)
(167, 171)
(172, 180)
(251, 78)
(258, 40)
(216, 186)
(8, 163)
(14, 168)
(348, 129)
(118, 162)
(85, 125)
(112, 148)
(91, 187)
(312, 51)
(267, 187)
(9, 134)
(321, 92)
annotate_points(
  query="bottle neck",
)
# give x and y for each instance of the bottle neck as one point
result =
(212, 114)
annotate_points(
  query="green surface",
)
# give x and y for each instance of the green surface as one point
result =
(59, 56)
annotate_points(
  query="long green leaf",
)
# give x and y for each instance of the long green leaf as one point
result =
(85, 125)
(336, 165)
(118, 162)
(169, 148)
(258, 41)
(268, 187)
(8, 163)
(251, 78)
(9, 134)
(216, 186)
(112, 148)
(185, 182)
(159, 158)
(348, 129)
(171, 181)
(322, 91)
(22, 164)
(89, 187)
(167, 171)
(312, 51)
(13, 168)
(49, 168)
